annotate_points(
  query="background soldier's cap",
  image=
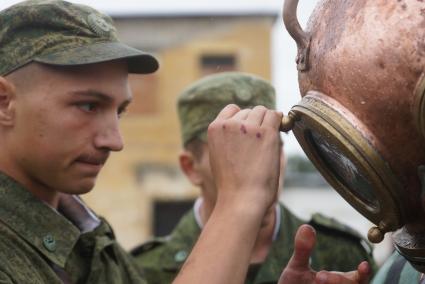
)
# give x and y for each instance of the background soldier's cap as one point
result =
(61, 33)
(201, 102)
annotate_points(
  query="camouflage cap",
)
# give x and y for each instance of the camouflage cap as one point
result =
(60, 33)
(201, 102)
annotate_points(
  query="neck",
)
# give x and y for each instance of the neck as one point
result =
(265, 235)
(47, 195)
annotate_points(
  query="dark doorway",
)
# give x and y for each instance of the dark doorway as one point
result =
(167, 214)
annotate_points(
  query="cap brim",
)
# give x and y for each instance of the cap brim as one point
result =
(138, 61)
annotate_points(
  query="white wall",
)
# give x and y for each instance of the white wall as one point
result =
(285, 75)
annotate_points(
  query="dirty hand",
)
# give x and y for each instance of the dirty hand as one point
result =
(298, 270)
(245, 155)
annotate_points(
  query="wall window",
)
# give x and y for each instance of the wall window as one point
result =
(167, 214)
(215, 63)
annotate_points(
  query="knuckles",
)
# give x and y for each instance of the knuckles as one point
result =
(232, 126)
(230, 108)
(260, 108)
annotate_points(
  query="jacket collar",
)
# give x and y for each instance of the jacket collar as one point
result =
(180, 243)
(186, 233)
(43, 227)
(281, 250)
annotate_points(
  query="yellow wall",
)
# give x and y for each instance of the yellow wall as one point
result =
(154, 137)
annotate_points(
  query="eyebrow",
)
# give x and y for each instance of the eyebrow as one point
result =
(100, 96)
(93, 94)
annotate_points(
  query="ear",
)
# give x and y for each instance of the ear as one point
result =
(7, 102)
(188, 165)
(283, 162)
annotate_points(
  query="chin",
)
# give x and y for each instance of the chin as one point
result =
(268, 218)
(82, 188)
(265, 222)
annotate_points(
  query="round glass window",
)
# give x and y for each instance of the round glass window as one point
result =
(344, 169)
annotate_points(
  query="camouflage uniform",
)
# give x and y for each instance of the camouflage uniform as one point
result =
(198, 105)
(39, 244)
(396, 270)
(337, 248)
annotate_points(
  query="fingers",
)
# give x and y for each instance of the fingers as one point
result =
(228, 112)
(325, 277)
(361, 276)
(262, 116)
(256, 115)
(273, 118)
(242, 115)
(259, 115)
(305, 239)
(298, 270)
(363, 272)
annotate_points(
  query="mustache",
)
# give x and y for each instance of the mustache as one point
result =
(94, 158)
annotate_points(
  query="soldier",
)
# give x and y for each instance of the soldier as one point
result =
(198, 105)
(63, 87)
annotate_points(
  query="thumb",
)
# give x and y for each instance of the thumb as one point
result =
(363, 272)
(298, 269)
(305, 240)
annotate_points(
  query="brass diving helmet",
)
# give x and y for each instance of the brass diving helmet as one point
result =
(361, 120)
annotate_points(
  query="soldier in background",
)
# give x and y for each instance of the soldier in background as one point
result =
(198, 105)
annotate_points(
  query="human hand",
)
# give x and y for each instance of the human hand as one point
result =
(244, 152)
(298, 270)
(359, 276)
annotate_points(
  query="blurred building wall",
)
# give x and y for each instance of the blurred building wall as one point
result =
(146, 171)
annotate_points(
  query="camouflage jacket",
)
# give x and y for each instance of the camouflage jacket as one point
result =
(338, 248)
(39, 245)
(396, 270)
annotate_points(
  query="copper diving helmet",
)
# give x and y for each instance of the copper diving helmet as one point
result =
(361, 119)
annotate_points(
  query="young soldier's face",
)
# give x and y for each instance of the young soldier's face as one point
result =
(66, 124)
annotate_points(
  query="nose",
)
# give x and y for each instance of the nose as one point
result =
(109, 137)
